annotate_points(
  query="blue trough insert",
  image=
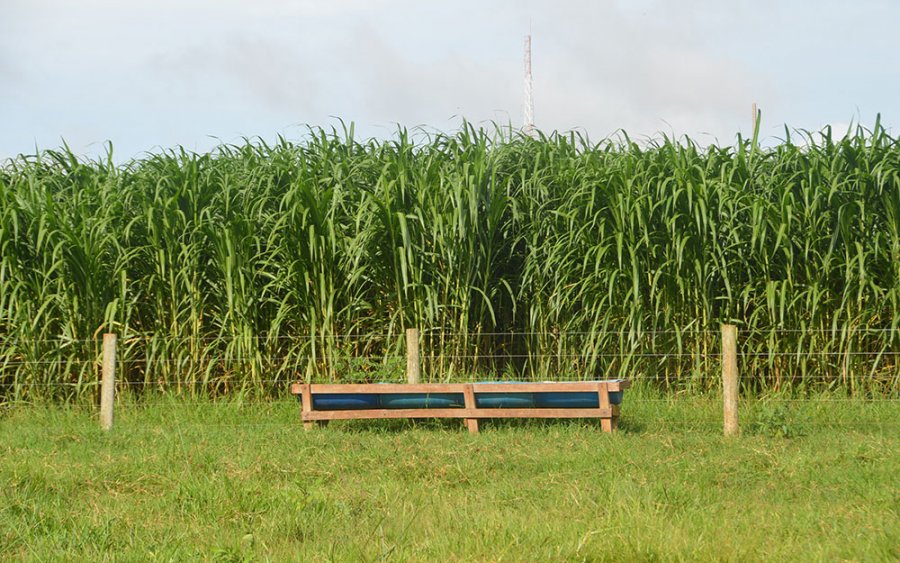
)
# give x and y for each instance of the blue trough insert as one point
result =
(421, 400)
(556, 399)
(344, 402)
(575, 400)
(504, 400)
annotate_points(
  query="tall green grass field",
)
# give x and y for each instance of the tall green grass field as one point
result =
(556, 257)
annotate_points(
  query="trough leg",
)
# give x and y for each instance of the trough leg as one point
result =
(469, 396)
(607, 424)
(306, 406)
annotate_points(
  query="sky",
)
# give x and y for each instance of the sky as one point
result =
(150, 75)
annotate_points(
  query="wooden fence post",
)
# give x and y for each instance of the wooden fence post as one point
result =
(108, 384)
(730, 384)
(412, 356)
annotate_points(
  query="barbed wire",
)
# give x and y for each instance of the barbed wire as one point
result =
(174, 394)
(400, 377)
(660, 354)
(187, 359)
(433, 333)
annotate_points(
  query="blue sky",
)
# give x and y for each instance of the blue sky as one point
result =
(153, 74)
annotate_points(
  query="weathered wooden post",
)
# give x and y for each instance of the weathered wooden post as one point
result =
(730, 385)
(108, 383)
(412, 356)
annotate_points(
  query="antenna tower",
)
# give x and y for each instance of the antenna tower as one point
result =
(528, 127)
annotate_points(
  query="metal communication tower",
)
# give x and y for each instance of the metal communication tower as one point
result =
(528, 126)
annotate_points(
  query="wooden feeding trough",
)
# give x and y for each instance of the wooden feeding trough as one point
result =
(321, 402)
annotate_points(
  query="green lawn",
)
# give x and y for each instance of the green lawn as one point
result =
(227, 481)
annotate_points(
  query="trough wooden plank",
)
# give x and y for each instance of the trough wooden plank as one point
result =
(620, 385)
(537, 387)
(461, 413)
(383, 388)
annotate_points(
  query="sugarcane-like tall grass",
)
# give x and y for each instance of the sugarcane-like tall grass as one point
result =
(242, 269)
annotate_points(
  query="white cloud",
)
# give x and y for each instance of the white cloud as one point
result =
(175, 71)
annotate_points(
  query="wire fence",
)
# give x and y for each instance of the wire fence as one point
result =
(863, 361)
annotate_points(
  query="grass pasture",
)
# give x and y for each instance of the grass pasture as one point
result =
(814, 479)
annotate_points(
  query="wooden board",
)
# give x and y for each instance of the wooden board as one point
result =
(549, 387)
(603, 396)
(391, 388)
(378, 388)
(619, 385)
(461, 413)
(472, 422)
(306, 405)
